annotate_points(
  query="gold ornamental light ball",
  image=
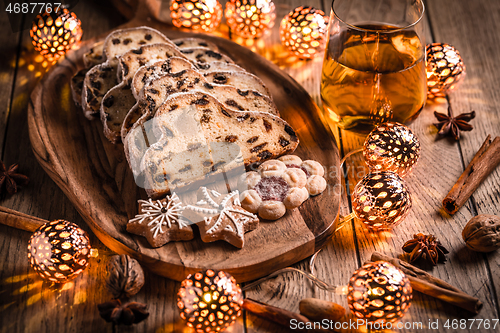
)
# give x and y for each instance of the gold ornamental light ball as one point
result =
(379, 292)
(391, 147)
(303, 31)
(209, 301)
(59, 251)
(54, 33)
(445, 69)
(381, 200)
(250, 18)
(204, 15)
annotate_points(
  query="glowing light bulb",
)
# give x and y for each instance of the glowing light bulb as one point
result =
(379, 292)
(59, 251)
(209, 301)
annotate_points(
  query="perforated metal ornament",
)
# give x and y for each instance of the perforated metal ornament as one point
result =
(209, 301)
(445, 69)
(204, 15)
(381, 200)
(303, 31)
(250, 18)
(391, 147)
(53, 34)
(59, 251)
(379, 292)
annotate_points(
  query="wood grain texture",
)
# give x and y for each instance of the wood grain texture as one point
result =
(8, 63)
(105, 194)
(478, 42)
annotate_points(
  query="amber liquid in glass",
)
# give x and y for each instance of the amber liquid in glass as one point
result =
(370, 77)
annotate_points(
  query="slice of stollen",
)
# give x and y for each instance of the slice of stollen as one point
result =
(120, 41)
(154, 71)
(221, 66)
(132, 60)
(77, 86)
(242, 80)
(188, 43)
(115, 105)
(260, 136)
(94, 56)
(157, 91)
(98, 80)
(240, 99)
(204, 55)
(159, 68)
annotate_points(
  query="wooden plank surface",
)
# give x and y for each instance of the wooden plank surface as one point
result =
(472, 26)
(478, 41)
(8, 61)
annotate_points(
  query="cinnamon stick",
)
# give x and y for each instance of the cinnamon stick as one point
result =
(484, 162)
(318, 309)
(20, 220)
(430, 285)
(276, 315)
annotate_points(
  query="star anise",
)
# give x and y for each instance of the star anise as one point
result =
(11, 178)
(425, 247)
(448, 124)
(118, 313)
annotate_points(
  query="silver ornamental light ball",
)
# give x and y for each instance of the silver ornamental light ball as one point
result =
(381, 200)
(391, 147)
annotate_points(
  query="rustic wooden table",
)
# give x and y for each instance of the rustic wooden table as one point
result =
(29, 305)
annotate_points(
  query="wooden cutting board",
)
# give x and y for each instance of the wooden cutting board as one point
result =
(94, 174)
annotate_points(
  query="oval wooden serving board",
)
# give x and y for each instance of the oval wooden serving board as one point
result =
(95, 175)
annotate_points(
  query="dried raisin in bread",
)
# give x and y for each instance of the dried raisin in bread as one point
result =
(188, 43)
(114, 107)
(94, 56)
(157, 91)
(205, 55)
(98, 80)
(260, 136)
(160, 68)
(77, 86)
(121, 41)
(132, 60)
(242, 80)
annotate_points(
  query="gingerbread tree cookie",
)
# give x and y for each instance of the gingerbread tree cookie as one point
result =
(277, 186)
(223, 217)
(160, 221)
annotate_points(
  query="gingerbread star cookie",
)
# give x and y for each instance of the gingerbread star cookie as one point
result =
(160, 221)
(277, 186)
(223, 217)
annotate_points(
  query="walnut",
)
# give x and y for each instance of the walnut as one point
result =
(125, 276)
(482, 233)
